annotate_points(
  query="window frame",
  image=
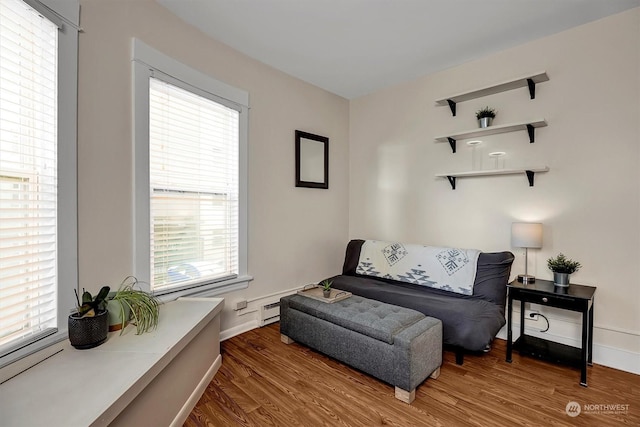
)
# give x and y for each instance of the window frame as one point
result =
(148, 62)
(66, 16)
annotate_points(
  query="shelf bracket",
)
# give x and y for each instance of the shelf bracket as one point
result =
(530, 130)
(452, 105)
(530, 175)
(452, 143)
(532, 88)
(452, 181)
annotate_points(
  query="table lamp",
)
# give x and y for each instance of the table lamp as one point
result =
(527, 235)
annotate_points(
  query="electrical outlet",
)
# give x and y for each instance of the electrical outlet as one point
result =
(531, 315)
(241, 305)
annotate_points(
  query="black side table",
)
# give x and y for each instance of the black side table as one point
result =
(575, 298)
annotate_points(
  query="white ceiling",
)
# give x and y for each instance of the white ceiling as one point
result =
(355, 47)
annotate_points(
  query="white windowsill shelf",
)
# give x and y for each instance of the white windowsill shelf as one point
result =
(91, 387)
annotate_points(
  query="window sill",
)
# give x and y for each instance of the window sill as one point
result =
(21, 360)
(91, 387)
(210, 290)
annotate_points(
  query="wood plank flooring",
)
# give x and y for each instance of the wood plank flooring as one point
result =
(263, 382)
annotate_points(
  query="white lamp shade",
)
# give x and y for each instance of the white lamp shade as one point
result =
(526, 235)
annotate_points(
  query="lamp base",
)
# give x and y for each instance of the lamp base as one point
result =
(526, 278)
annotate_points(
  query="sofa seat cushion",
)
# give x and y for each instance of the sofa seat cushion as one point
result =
(468, 322)
(374, 319)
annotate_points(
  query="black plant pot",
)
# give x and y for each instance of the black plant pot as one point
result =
(88, 332)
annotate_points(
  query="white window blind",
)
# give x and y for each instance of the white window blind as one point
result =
(193, 178)
(28, 175)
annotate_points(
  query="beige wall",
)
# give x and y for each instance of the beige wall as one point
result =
(588, 202)
(296, 235)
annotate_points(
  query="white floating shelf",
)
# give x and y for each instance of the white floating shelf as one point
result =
(529, 80)
(530, 172)
(494, 130)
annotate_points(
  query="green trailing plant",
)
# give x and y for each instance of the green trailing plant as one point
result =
(562, 264)
(144, 306)
(90, 305)
(486, 112)
(326, 285)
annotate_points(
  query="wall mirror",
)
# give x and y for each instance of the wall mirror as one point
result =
(312, 160)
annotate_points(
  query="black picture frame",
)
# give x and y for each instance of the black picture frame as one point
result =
(312, 160)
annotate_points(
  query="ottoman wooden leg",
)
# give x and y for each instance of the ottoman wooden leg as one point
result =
(405, 396)
(435, 374)
(285, 339)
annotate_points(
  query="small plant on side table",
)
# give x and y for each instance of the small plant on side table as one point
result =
(326, 288)
(485, 116)
(562, 267)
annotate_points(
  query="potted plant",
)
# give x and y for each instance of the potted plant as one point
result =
(562, 267)
(119, 314)
(135, 305)
(89, 325)
(485, 116)
(326, 288)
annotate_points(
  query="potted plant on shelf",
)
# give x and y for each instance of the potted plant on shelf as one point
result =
(326, 288)
(135, 305)
(485, 116)
(562, 268)
(89, 325)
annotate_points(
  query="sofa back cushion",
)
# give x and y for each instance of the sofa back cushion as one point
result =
(491, 280)
(449, 269)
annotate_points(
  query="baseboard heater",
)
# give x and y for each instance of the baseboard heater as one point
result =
(270, 313)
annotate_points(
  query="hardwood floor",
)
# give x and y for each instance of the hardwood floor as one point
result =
(263, 382)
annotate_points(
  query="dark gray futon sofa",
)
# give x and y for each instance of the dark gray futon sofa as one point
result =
(470, 322)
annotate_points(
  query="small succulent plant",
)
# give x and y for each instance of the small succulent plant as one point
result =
(90, 305)
(326, 285)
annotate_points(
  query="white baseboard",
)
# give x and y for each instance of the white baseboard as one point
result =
(616, 358)
(251, 314)
(193, 399)
(239, 329)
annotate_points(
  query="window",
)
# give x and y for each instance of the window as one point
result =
(37, 47)
(190, 186)
(193, 149)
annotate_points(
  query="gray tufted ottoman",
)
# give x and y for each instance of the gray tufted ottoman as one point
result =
(394, 344)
